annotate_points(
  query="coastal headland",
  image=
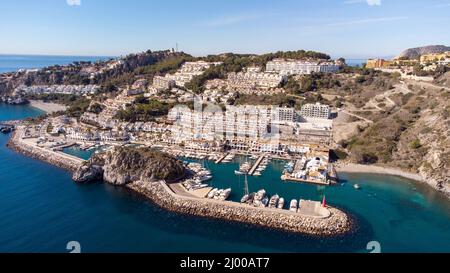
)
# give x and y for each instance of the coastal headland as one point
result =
(334, 223)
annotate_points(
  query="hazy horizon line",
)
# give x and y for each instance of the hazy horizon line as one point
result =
(333, 56)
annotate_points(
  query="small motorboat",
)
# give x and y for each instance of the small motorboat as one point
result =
(225, 194)
(293, 206)
(274, 201)
(357, 186)
(212, 193)
(264, 202)
(245, 198)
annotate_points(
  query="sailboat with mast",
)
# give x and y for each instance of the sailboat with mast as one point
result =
(246, 198)
(244, 168)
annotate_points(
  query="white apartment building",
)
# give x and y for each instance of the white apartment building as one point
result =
(58, 89)
(237, 122)
(254, 80)
(294, 67)
(191, 67)
(317, 110)
(163, 83)
(189, 70)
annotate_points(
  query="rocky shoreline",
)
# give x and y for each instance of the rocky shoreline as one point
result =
(336, 224)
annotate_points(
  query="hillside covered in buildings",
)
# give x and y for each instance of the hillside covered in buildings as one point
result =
(390, 112)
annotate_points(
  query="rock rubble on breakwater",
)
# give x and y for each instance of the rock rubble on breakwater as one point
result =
(338, 223)
(51, 157)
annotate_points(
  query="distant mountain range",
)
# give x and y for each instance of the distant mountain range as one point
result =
(415, 53)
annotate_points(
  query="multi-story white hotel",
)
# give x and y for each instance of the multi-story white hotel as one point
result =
(237, 122)
(256, 128)
(293, 67)
(315, 111)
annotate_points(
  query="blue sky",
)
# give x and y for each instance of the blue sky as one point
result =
(349, 28)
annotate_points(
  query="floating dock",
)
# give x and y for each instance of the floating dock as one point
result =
(221, 159)
(256, 165)
(293, 179)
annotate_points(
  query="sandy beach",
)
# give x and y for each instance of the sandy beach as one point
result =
(47, 107)
(358, 168)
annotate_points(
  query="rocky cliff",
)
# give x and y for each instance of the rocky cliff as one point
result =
(415, 53)
(125, 165)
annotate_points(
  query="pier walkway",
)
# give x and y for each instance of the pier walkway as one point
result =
(293, 179)
(256, 165)
(221, 159)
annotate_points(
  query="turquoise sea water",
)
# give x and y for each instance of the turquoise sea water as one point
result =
(41, 210)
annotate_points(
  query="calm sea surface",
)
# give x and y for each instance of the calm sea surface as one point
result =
(11, 63)
(41, 210)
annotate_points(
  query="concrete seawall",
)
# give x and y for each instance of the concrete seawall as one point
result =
(338, 223)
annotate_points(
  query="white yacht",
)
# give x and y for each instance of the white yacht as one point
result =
(225, 194)
(245, 198)
(212, 193)
(273, 201)
(293, 206)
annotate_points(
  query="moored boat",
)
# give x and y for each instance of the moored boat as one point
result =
(225, 194)
(212, 193)
(245, 198)
(293, 205)
(280, 203)
(264, 201)
(274, 201)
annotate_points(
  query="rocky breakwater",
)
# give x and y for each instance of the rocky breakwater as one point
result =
(17, 143)
(337, 223)
(150, 173)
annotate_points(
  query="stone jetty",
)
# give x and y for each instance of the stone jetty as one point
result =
(336, 224)
(58, 159)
